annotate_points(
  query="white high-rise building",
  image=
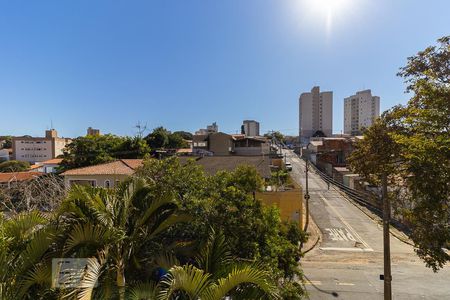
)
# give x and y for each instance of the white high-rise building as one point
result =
(316, 114)
(250, 128)
(360, 111)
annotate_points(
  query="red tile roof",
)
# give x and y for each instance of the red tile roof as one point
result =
(18, 176)
(118, 167)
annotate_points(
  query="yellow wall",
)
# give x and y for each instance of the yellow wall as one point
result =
(289, 202)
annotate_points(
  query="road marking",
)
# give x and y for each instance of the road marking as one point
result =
(346, 249)
(346, 224)
(345, 283)
(340, 234)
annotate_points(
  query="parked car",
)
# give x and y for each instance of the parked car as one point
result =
(288, 166)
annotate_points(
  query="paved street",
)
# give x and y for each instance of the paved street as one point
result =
(347, 263)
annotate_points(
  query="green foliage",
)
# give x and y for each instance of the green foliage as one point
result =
(161, 219)
(184, 134)
(161, 138)
(176, 141)
(7, 142)
(14, 166)
(158, 138)
(97, 149)
(275, 134)
(412, 144)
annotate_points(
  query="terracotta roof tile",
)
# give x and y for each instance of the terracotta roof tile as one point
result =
(18, 176)
(120, 167)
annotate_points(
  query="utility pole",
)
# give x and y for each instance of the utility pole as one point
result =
(306, 196)
(386, 241)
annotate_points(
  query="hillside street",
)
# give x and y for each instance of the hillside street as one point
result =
(348, 260)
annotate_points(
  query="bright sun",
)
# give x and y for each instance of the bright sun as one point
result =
(326, 11)
(333, 6)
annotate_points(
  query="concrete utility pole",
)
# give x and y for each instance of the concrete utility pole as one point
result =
(306, 195)
(386, 241)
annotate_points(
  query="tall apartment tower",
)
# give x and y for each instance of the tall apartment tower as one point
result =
(360, 111)
(316, 114)
(250, 128)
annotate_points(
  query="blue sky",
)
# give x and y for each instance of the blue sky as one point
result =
(185, 64)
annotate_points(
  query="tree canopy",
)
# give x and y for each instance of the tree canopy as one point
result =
(14, 166)
(412, 144)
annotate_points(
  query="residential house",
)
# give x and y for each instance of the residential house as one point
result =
(328, 153)
(48, 166)
(8, 179)
(105, 175)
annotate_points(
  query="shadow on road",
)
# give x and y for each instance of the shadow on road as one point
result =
(334, 294)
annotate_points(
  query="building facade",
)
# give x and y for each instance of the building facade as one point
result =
(92, 131)
(315, 114)
(213, 128)
(360, 111)
(250, 128)
(36, 149)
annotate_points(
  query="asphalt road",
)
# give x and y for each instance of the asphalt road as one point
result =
(348, 261)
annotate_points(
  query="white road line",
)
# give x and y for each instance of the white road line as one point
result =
(344, 283)
(346, 249)
(346, 224)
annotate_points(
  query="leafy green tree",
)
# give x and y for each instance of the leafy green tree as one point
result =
(184, 134)
(422, 128)
(412, 143)
(225, 201)
(275, 134)
(132, 147)
(91, 150)
(7, 142)
(158, 138)
(176, 141)
(14, 166)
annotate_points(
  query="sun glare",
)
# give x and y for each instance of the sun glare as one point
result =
(326, 12)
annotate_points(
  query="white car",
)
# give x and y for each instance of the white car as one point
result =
(288, 166)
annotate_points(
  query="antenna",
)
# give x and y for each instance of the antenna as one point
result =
(140, 129)
(51, 124)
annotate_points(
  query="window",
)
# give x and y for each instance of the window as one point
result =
(107, 184)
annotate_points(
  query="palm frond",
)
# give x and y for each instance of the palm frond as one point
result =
(214, 257)
(143, 291)
(85, 234)
(247, 274)
(90, 278)
(187, 279)
(168, 222)
(24, 224)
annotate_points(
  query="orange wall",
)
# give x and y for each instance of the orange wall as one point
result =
(289, 202)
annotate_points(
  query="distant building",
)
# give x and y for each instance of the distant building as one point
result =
(315, 114)
(223, 144)
(250, 128)
(360, 111)
(92, 131)
(209, 129)
(36, 149)
(48, 166)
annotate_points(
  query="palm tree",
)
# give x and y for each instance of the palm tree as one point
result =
(215, 275)
(27, 243)
(114, 227)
